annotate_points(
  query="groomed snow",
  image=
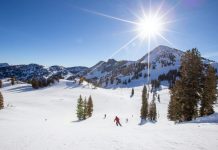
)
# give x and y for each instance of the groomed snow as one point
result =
(45, 119)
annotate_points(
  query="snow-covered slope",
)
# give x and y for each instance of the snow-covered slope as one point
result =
(45, 119)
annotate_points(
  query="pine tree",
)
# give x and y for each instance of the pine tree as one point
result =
(187, 92)
(152, 114)
(85, 109)
(154, 117)
(132, 92)
(81, 80)
(191, 77)
(79, 110)
(89, 106)
(40, 83)
(144, 107)
(35, 83)
(0, 83)
(174, 108)
(12, 80)
(1, 101)
(209, 92)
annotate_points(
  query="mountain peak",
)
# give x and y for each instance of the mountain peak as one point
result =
(111, 61)
(161, 51)
(163, 47)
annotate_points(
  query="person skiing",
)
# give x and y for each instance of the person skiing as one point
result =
(105, 116)
(127, 120)
(117, 120)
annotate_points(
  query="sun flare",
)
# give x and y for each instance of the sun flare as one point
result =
(149, 26)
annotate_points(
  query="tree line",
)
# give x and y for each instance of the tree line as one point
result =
(43, 82)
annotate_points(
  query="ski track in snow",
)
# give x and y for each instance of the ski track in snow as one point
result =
(45, 119)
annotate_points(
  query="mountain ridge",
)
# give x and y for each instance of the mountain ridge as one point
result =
(110, 73)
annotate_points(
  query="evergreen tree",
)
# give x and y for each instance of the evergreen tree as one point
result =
(1, 101)
(44, 82)
(174, 109)
(81, 80)
(186, 93)
(79, 110)
(35, 83)
(40, 83)
(85, 109)
(144, 107)
(12, 80)
(209, 92)
(132, 92)
(191, 77)
(152, 114)
(112, 80)
(89, 106)
(0, 83)
(154, 117)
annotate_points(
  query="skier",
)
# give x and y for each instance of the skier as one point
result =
(117, 120)
(127, 120)
(158, 98)
(105, 116)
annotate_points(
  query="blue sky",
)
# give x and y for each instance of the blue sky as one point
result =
(60, 32)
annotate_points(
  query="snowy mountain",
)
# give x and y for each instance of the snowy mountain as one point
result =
(164, 62)
(4, 65)
(27, 72)
(164, 55)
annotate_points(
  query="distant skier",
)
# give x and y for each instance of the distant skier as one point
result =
(117, 120)
(127, 120)
(158, 98)
(105, 116)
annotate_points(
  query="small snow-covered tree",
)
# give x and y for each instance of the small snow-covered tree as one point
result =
(79, 110)
(1, 101)
(89, 106)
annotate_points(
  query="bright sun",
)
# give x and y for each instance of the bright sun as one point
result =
(149, 26)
